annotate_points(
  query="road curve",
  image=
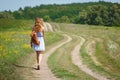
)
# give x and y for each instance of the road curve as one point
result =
(78, 61)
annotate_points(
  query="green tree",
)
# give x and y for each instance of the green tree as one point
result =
(114, 16)
(47, 18)
(98, 20)
(82, 17)
(64, 19)
(6, 15)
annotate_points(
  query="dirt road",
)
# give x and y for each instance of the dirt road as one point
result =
(77, 60)
(27, 68)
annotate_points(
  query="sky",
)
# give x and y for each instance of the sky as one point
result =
(16, 4)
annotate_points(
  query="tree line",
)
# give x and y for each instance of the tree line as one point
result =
(92, 13)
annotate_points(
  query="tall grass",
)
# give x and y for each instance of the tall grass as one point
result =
(15, 44)
(8, 24)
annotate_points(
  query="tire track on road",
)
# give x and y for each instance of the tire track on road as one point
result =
(77, 60)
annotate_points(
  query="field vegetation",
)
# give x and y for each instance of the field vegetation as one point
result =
(15, 45)
(105, 50)
(104, 57)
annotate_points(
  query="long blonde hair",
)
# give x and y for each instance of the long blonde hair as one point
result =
(39, 20)
(38, 27)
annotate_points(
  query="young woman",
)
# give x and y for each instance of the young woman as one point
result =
(38, 44)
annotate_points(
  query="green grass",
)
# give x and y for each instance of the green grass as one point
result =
(110, 62)
(108, 58)
(15, 44)
(15, 25)
(52, 37)
(101, 58)
(61, 64)
(107, 62)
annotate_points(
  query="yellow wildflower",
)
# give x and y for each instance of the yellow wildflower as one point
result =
(15, 51)
(1, 48)
(7, 39)
(13, 39)
(26, 46)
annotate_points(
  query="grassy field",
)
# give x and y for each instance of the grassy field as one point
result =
(107, 53)
(15, 44)
(61, 63)
(15, 39)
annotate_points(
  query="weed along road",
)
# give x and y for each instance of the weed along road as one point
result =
(45, 73)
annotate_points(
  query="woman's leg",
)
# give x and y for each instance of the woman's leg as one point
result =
(39, 58)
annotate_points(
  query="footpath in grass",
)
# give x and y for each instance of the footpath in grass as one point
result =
(106, 53)
(61, 64)
(15, 44)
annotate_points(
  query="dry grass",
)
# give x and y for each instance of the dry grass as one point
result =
(107, 47)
